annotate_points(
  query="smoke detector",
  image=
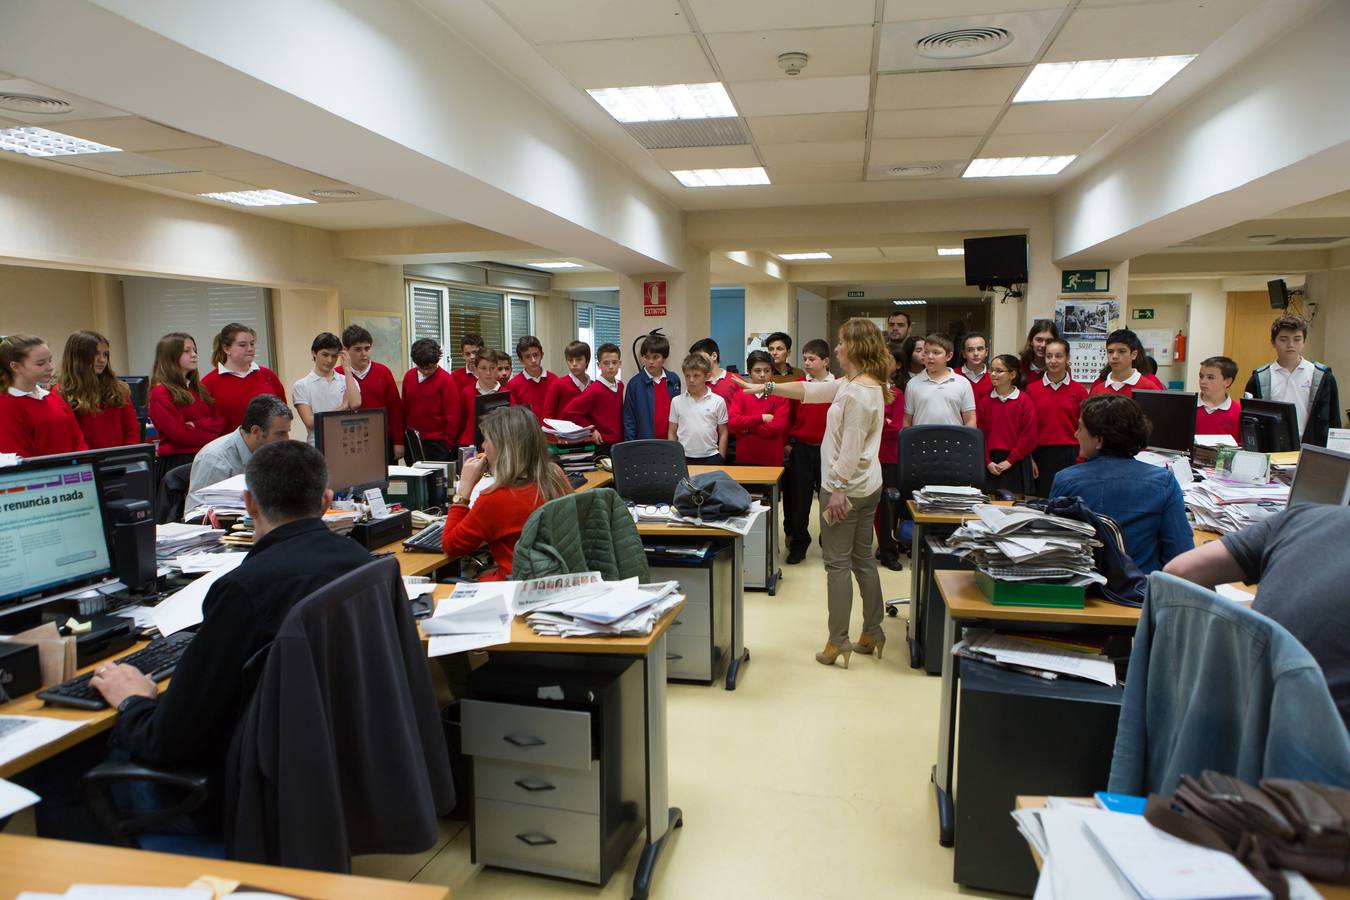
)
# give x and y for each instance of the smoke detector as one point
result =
(792, 62)
(33, 105)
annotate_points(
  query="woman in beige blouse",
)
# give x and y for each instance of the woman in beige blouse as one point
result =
(851, 475)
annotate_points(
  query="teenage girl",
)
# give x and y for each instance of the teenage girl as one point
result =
(101, 403)
(1008, 419)
(181, 407)
(1057, 398)
(33, 420)
(888, 454)
(235, 378)
(1033, 351)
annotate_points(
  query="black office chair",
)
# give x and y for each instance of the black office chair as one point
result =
(648, 471)
(413, 451)
(172, 495)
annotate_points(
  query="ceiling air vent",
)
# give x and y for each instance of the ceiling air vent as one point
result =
(334, 194)
(966, 42)
(680, 133)
(1293, 241)
(963, 43)
(33, 105)
(122, 164)
(914, 171)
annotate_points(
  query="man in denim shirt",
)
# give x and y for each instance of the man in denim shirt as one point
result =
(1144, 500)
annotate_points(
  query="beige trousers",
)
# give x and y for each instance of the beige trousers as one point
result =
(847, 549)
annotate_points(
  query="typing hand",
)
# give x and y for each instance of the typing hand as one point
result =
(117, 682)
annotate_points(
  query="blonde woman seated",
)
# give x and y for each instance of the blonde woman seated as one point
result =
(524, 479)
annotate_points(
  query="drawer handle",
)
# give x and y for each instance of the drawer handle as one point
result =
(524, 741)
(535, 840)
(672, 656)
(534, 786)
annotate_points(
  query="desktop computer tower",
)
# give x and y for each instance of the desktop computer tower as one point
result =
(133, 529)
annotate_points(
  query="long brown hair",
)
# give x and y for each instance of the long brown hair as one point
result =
(1028, 351)
(85, 391)
(225, 339)
(181, 384)
(15, 349)
(866, 348)
(522, 453)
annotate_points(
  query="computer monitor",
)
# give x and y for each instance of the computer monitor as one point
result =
(352, 444)
(139, 385)
(1173, 416)
(482, 405)
(125, 473)
(54, 536)
(1269, 426)
(1323, 476)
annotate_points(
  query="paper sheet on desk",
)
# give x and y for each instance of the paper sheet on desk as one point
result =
(445, 635)
(37, 732)
(184, 609)
(135, 892)
(14, 798)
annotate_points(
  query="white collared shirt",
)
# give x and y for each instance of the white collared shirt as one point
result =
(221, 370)
(657, 379)
(320, 394)
(930, 402)
(361, 376)
(37, 393)
(535, 379)
(1055, 385)
(974, 379)
(1013, 395)
(696, 420)
(1293, 387)
(1135, 375)
(581, 385)
(1221, 407)
(829, 376)
(483, 392)
(611, 385)
(421, 378)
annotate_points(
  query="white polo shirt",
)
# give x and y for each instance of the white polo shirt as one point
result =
(1118, 386)
(1293, 387)
(696, 421)
(929, 402)
(319, 394)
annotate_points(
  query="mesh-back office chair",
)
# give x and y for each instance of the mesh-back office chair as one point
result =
(648, 471)
(172, 494)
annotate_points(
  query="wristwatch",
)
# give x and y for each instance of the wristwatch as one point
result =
(835, 484)
(458, 500)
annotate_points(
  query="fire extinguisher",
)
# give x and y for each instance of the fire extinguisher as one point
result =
(1179, 348)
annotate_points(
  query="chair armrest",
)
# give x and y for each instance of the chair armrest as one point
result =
(98, 783)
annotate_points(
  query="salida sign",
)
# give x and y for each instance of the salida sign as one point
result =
(653, 298)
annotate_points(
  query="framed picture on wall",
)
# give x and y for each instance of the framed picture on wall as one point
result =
(387, 329)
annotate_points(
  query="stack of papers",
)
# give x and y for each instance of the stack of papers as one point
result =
(605, 608)
(1016, 543)
(341, 521)
(473, 616)
(663, 514)
(1035, 657)
(174, 539)
(948, 498)
(1225, 507)
(199, 890)
(566, 431)
(224, 497)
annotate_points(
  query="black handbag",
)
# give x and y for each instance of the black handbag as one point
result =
(1126, 583)
(712, 495)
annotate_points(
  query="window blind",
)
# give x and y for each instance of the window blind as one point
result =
(157, 306)
(474, 312)
(426, 316)
(522, 309)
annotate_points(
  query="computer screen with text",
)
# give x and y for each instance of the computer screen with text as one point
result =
(52, 532)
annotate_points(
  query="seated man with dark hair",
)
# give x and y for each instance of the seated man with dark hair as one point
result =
(267, 418)
(1144, 500)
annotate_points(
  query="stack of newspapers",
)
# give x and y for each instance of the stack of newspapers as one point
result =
(948, 498)
(584, 605)
(1225, 507)
(1016, 543)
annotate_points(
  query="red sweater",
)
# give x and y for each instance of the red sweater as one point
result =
(496, 519)
(1224, 421)
(463, 378)
(525, 392)
(183, 429)
(661, 408)
(727, 389)
(1007, 424)
(431, 407)
(378, 391)
(111, 426)
(232, 393)
(600, 408)
(758, 443)
(889, 451)
(1057, 412)
(561, 391)
(1145, 383)
(469, 413)
(808, 422)
(32, 427)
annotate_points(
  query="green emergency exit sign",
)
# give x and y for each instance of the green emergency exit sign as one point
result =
(1141, 314)
(857, 293)
(1084, 281)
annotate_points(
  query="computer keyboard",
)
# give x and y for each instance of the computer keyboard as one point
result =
(428, 540)
(157, 659)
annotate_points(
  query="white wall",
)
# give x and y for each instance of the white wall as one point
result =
(813, 321)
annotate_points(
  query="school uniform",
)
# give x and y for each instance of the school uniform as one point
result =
(758, 443)
(696, 421)
(320, 394)
(183, 430)
(38, 424)
(888, 454)
(1225, 418)
(562, 390)
(726, 388)
(463, 378)
(977, 379)
(528, 391)
(232, 390)
(942, 401)
(1311, 387)
(1010, 434)
(469, 411)
(1030, 371)
(431, 408)
(1057, 406)
(1137, 381)
(109, 426)
(379, 391)
(801, 480)
(646, 405)
(599, 406)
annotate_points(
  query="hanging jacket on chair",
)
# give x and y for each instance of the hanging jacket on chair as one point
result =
(591, 531)
(1125, 582)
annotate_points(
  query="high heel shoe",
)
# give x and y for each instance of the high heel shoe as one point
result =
(867, 642)
(833, 651)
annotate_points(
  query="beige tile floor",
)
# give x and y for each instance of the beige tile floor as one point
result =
(804, 782)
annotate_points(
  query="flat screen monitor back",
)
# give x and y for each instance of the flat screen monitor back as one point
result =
(125, 473)
(483, 405)
(1286, 435)
(1323, 476)
(352, 444)
(1172, 414)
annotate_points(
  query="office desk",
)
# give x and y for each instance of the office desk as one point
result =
(38, 864)
(661, 817)
(758, 477)
(965, 604)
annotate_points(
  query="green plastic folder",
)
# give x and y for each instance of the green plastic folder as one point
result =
(1030, 593)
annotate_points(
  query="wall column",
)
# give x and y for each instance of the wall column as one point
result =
(771, 306)
(297, 317)
(110, 317)
(688, 307)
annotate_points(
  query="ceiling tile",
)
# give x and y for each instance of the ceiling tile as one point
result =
(707, 157)
(1068, 115)
(1153, 29)
(215, 159)
(849, 126)
(814, 153)
(673, 59)
(548, 21)
(752, 15)
(952, 122)
(753, 55)
(907, 10)
(131, 133)
(194, 183)
(934, 90)
(796, 96)
(832, 174)
(1045, 143)
(290, 180)
(921, 149)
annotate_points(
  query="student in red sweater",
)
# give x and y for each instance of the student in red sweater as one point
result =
(181, 407)
(530, 387)
(469, 346)
(378, 390)
(1057, 398)
(601, 405)
(1123, 350)
(888, 454)
(1033, 351)
(524, 478)
(101, 403)
(236, 378)
(720, 382)
(806, 429)
(1215, 411)
(974, 360)
(1007, 416)
(33, 420)
(431, 402)
(759, 422)
(486, 366)
(565, 388)
(503, 360)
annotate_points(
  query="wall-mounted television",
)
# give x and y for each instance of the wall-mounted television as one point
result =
(996, 261)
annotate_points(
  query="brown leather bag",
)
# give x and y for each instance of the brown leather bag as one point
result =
(1282, 824)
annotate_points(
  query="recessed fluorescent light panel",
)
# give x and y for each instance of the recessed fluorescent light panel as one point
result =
(1016, 166)
(664, 102)
(31, 141)
(951, 251)
(1100, 79)
(257, 198)
(909, 302)
(698, 178)
(554, 265)
(819, 254)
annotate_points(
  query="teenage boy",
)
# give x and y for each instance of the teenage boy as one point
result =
(759, 421)
(1123, 350)
(1215, 411)
(801, 480)
(897, 328)
(563, 389)
(937, 395)
(530, 386)
(698, 417)
(503, 362)
(485, 382)
(1308, 385)
(323, 389)
(974, 356)
(469, 345)
(601, 405)
(431, 402)
(378, 389)
(778, 344)
(720, 381)
(646, 404)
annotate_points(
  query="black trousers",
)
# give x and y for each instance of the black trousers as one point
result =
(803, 483)
(439, 451)
(887, 518)
(714, 460)
(1052, 459)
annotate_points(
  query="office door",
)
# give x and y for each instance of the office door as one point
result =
(1247, 335)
